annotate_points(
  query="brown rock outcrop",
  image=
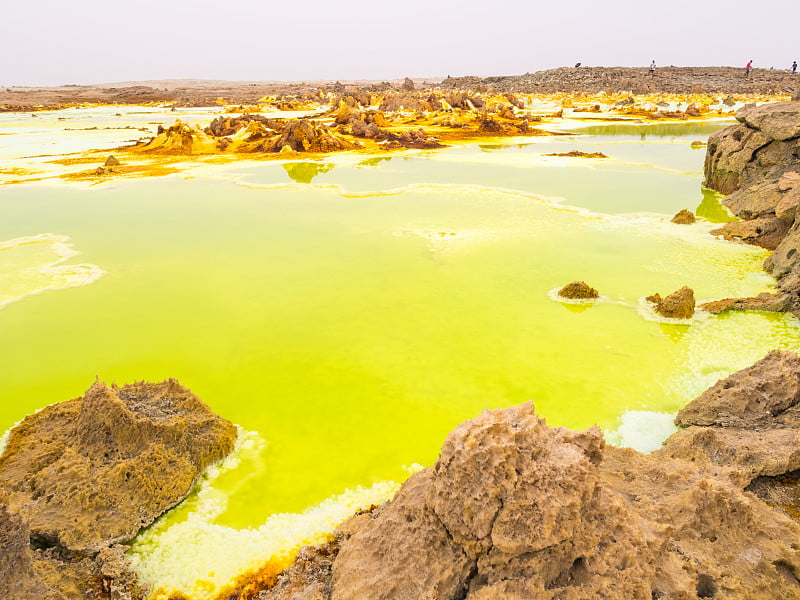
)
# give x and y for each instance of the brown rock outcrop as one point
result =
(677, 305)
(763, 146)
(407, 101)
(79, 477)
(180, 138)
(767, 232)
(578, 290)
(684, 217)
(759, 161)
(227, 126)
(305, 136)
(579, 154)
(514, 509)
(766, 301)
(766, 394)
(749, 424)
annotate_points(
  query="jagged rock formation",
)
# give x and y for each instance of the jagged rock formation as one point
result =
(758, 163)
(181, 138)
(247, 133)
(514, 509)
(396, 124)
(677, 305)
(578, 290)
(79, 477)
(306, 136)
(228, 126)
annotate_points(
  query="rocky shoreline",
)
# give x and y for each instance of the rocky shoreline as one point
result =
(757, 162)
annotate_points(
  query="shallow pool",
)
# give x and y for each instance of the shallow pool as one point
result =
(349, 312)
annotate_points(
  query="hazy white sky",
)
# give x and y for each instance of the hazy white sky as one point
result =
(47, 42)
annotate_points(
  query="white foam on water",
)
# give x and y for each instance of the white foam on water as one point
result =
(722, 345)
(22, 280)
(642, 430)
(446, 241)
(198, 557)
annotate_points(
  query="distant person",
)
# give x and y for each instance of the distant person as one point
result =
(579, 64)
(794, 67)
(653, 68)
(748, 67)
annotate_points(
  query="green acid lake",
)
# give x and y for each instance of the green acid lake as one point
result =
(348, 313)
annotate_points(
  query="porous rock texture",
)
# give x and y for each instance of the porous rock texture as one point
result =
(80, 477)
(677, 305)
(757, 162)
(578, 290)
(514, 509)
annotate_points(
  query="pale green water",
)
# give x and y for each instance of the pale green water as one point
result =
(335, 320)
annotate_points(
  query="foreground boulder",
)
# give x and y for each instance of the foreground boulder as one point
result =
(515, 509)
(79, 477)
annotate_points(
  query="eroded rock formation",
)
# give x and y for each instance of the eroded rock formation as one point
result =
(79, 477)
(515, 509)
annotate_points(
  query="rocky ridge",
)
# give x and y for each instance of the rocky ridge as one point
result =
(292, 96)
(676, 80)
